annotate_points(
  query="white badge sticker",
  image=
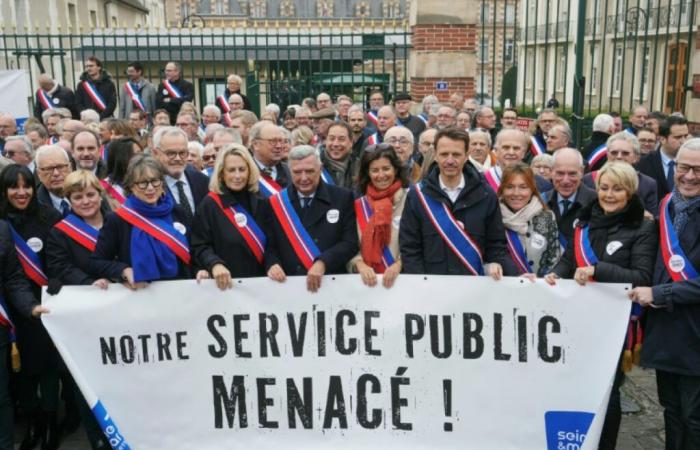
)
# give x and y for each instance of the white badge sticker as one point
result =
(165, 92)
(676, 263)
(241, 219)
(35, 244)
(573, 225)
(613, 246)
(537, 241)
(396, 222)
(56, 101)
(461, 224)
(332, 215)
(179, 227)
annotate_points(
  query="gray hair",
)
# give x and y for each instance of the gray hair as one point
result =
(46, 114)
(429, 99)
(691, 145)
(544, 158)
(212, 108)
(167, 131)
(481, 133)
(45, 150)
(235, 78)
(59, 126)
(565, 128)
(65, 113)
(302, 152)
(273, 108)
(23, 139)
(138, 166)
(565, 150)
(230, 131)
(196, 146)
(603, 122)
(88, 116)
(256, 130)
(287, 134)
(523, 136)
(356, 107)
(627, 137)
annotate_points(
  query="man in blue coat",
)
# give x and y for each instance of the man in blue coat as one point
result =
(672, 336)
(311, 228)
(451, 223)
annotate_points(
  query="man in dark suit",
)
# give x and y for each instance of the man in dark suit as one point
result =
(86, 152)
(660, 165)
(625, 147)
(569, 194)
(96, 89)
(326, 213)
(674, 315)
(510, 148)
(52, 95)
(187, 185)
(268, 143)
(53, 165)
(603, 128)
(173, 91)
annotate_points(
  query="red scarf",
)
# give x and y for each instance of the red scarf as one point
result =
(377, 234)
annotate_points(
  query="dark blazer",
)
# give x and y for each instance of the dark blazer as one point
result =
(105, 87)
(15, 285)
(646, 191)
(173, 104)
(44, 198)
(337, 241)
(597, 139)
(246, 101)
(284, 178)
(651, 165)
(67, 261)
(423, 249)
(673, 329)
(636, 238)
(199, 184)
(215, 240)
(66, 99)
(584, 197)
(113, 251)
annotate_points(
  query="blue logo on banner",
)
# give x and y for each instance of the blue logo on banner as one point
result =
(109, 428)
(566, 430)
(441, 85)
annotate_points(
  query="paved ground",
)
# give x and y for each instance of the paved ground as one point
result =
(642, 430)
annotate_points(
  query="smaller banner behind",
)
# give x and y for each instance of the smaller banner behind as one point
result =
(14, 85)
(434, 362)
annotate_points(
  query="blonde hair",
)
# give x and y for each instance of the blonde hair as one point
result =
(622, 173)
(302, 135)
(79, 181)
(216, 183)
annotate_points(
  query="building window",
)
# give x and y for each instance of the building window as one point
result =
(510, 46)
(93, 18)
(645, 72)
(287, 9)
(510, 14)
(204, 7)
(485, 12)
(617, 70)
(363, 9)
(594, 70)
(561, 70)
(184, 8)
(391, 8)
(257, 9)
(72, 18)
(482, 53)
(219, 7)
(324, 8)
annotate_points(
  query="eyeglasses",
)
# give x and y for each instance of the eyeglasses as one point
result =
(143, 185)
(685, 168)
(12, 153)
(400, 141)
(171, 154)
(208, 157)
(51, 169)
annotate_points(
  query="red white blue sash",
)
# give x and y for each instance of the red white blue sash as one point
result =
(456, 238)
(583, 252)
(327, 177)
(225, 107)
(252, 234)
(81, 232)
(45, 99)
(6, 321)
(372, 117)
(103, 152)
(29, 259)
(537, 148)
(168, 235)
(493, 178)
(677, 263)
(135, 96)
(594, 176)
(596, 155)
(268, 186)
(172, 89)
(424, 118)
(52, 140)
(517, 252)
(112, 191)
(363, 211)
(300, 240)
(373, 139)
(94, 95)
(630, 130)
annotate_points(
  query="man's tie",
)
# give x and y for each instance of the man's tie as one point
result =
(266, 171)
(184, 203)
(671, 173)
(567, 204)
(305, 201)
(65, 208)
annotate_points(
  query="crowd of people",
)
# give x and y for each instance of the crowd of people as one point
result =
(164, 192)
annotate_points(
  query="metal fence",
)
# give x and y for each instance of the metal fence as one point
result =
(281, 62)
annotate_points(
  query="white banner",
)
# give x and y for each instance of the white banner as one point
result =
(14, 85)
(434, 362)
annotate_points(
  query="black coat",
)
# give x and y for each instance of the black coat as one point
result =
(565, 223)
(215, 240)
(672, 330)
(199, 184)
(284, 178)
(65, 98)
(67, 261)
(414, 124)
(624, 243)
(423, 249)
(597, 139)
(172, 105)
(15, 285)
(652, 166)
(113, 251)
(105, 87)
(646, 191)
(337, 241)
(246, 101)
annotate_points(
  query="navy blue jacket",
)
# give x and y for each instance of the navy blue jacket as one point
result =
(423, 249)
(67, 261)
(63, 97)
(105, 87)
(336, 241)
(199, 184)
(647, 191)
(652, 166)
(565, 223)
(673, 330)
(173, 104)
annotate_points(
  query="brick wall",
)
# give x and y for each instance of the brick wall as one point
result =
(445, 37)
(420, 87)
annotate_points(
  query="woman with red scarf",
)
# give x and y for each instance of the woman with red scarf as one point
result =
(383, 184)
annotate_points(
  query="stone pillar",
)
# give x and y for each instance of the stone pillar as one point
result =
(444, 47)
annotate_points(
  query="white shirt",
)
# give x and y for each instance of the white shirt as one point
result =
(172, 185)
(272, 168)
(452, 193)
(665, 159)
(56, 202)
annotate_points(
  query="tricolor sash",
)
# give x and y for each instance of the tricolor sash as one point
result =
(78, 230)
(6, 321)
(268, 186)
(29, 259)
(103, 152)
(493, 178)
(456, 238)
(583, 252)
(363, 211)
(300, 240)
(225, 107)
(135, 96)
(677, 263)
(112, 191)
(94, 95)
(252, 234)
(372, 117)
(424, 118)
(327, 177)
(537, 148)
(630, 130)
(166, 234)
(172, 89)
(315, 140)
(373, 139)
(596, 155)
(517, 252)
(594, 175)
(45, 99)
(52, 140)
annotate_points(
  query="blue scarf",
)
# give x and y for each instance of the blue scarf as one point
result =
(682, 209)
(151, 259)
